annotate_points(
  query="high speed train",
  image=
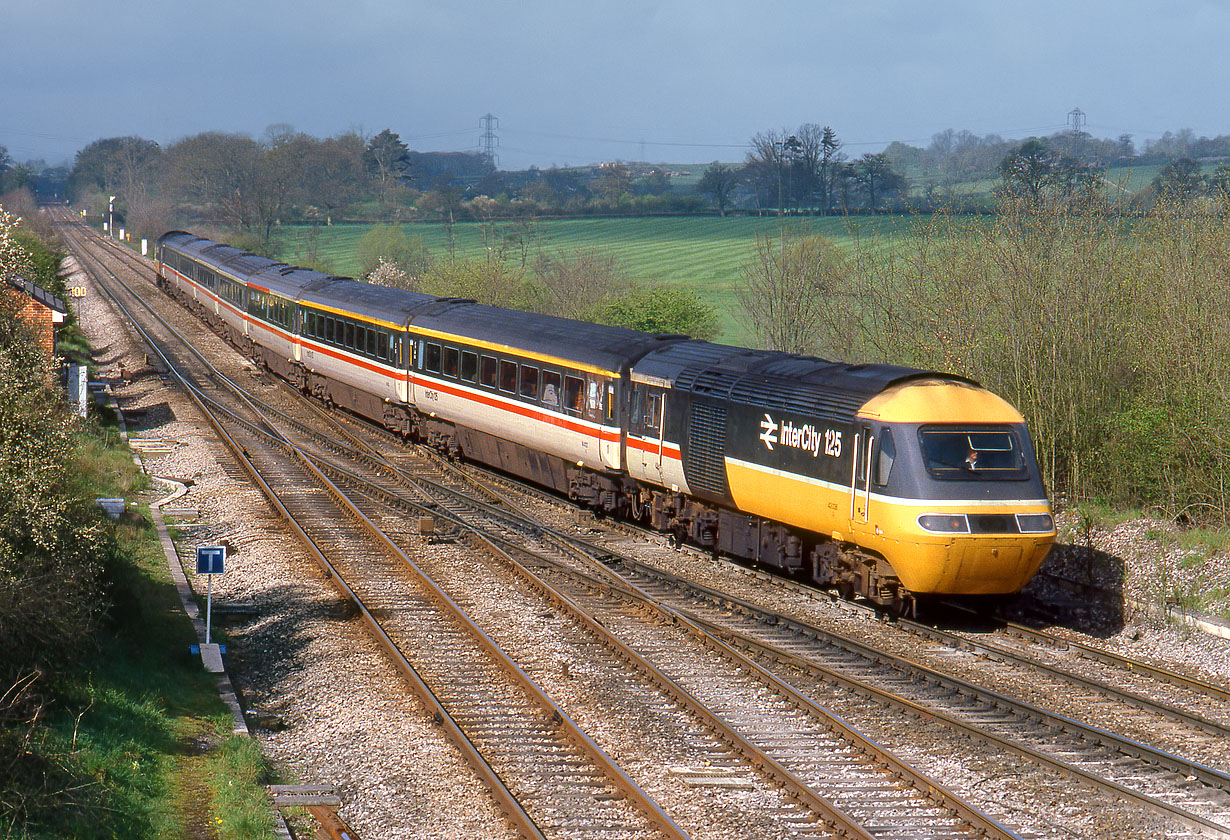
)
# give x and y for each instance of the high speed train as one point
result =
(883, 482)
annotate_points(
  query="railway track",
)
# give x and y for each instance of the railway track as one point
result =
(694, 627)
(1175, 787)
(873, 788)
(1170, 785)
(543, 770)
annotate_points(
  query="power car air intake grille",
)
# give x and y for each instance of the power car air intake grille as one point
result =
(705, 467)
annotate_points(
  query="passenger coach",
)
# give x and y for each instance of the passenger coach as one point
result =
(882, 481)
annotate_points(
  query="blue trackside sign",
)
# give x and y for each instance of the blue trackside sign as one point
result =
(210, 559)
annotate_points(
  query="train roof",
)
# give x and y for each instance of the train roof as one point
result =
(368, 300)
(270, 274)
(596, 347)
(774, 380)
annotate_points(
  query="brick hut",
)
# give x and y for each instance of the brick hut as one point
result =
(43, 311)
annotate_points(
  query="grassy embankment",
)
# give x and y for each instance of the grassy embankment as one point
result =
(140, 726)
(108, 728)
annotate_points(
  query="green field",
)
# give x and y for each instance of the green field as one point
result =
(701, 253)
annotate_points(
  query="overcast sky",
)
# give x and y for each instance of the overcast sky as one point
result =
(576, 82)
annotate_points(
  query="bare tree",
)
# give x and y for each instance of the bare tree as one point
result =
(574, 285)
(789, 293)
(220, 174)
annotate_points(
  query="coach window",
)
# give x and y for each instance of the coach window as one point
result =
(550, 388)
(431, 358)
(373, 342)
(508, 376)
(451, 355)
(347, 334)
(529, 382)
(610, 402)
(574, 394)
(329, 329)
(382, 347)
(488, 372)
(469, 366)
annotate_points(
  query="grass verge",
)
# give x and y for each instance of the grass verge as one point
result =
(136, 740)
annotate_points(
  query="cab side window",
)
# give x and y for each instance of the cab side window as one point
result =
(646, 408)
(886, 455)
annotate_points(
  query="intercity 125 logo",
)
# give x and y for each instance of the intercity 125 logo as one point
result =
(807, 437)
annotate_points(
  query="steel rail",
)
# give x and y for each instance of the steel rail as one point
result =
(993, 651)
(500, 791)
(612, 584)
(833, 816)
(1207, 775)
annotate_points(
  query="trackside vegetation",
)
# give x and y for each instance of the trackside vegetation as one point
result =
(102, 734)
(1106, 328)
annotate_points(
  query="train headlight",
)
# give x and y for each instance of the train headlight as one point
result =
(944, 523)
(1035, 523)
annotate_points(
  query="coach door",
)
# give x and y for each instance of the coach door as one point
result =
(860, 480)
(601, 408)
(645, 425)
